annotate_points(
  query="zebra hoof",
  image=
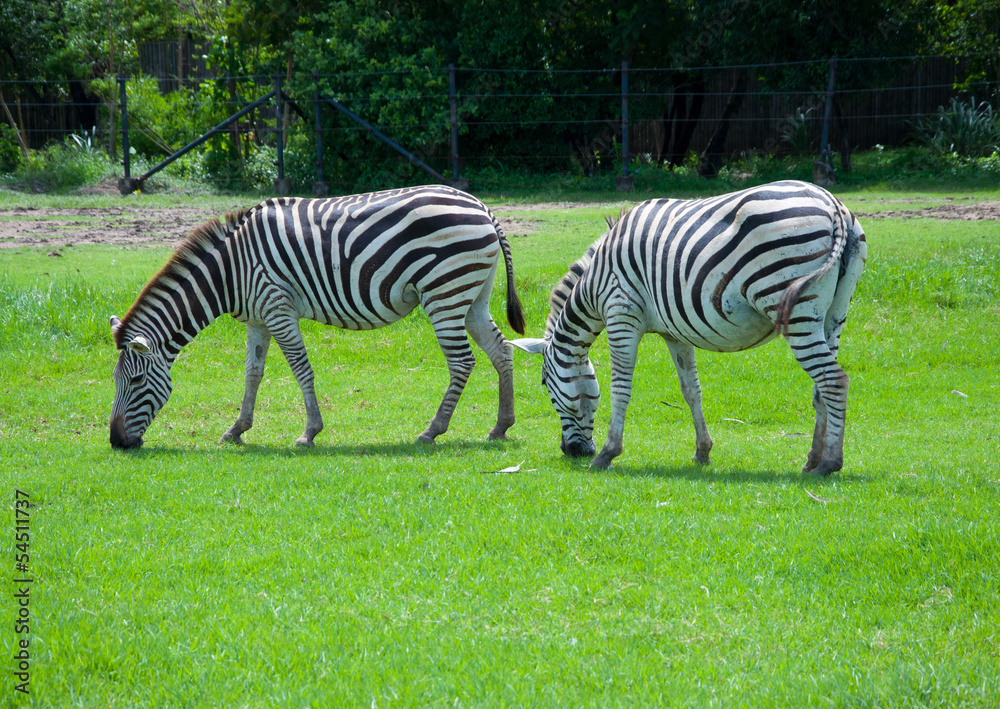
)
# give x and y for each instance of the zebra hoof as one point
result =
(701, 458)
(233, 438)
(425, 439)
(496, 436)
(824, 469)
(601, 462)
(304, 443)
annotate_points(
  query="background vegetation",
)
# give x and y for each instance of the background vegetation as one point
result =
(391, 58)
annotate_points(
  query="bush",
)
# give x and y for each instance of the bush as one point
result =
(76, 162)
(964, 129)
(10, 149)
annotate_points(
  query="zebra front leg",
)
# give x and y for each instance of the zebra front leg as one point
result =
(623, 341)
(454, 344)
(287, 334)
(258, 341)
(687, 373)
(486, 334)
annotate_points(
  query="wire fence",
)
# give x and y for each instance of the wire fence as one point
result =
(537, 118)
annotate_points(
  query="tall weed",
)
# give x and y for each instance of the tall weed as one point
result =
(76, 162)
(967, 279)
(964, 129)
(70, 312)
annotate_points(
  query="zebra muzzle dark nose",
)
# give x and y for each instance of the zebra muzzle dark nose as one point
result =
(119, 439)
(578, 448)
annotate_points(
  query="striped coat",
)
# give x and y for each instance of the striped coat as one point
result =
(358, 262)
(724, 274)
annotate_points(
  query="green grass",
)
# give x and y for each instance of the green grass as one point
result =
(371, 571)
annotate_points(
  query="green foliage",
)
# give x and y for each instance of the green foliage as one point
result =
(963, 129)
(62, 166)
(795, 134)
(10, 149)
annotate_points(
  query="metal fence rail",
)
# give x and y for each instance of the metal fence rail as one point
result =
(634, 113)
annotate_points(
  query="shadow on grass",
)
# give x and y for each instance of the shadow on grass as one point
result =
(399, 450)
(710, 474)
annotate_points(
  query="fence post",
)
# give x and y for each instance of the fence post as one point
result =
(823, 168)
(282, 186)
(625, 183)
(127, 184)
(456, 181)
(320, 188)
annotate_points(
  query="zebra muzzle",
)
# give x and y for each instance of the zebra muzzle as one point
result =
(578, 448)
(118, 437)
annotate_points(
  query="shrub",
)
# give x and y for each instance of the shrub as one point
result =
(965, 129)
(10, 150)
(75, 162)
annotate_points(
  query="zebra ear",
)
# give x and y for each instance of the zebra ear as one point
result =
(140, 345)
(115, 323)
(531, 345)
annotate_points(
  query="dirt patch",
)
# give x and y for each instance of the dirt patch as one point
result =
(967, 212)
(28, 226)
(518, 226)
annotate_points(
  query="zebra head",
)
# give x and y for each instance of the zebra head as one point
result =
(573, 390)
(142, 387)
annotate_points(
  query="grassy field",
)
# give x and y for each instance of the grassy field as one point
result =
(371, 571)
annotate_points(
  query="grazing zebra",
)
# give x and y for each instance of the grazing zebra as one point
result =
(723, 274)
(358, 262)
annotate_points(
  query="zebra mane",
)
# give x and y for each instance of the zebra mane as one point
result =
(196, 245)
(560, 294)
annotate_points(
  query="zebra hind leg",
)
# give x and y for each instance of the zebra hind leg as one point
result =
(687, 372)
(258, 341)
(818, 359)
(488, 336)
(454, 343)
(819, 434)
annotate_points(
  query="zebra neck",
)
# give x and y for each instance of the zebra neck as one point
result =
(577, 325)
(179, 303)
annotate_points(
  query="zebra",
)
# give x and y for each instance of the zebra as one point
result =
(359, 262)
(724, 274)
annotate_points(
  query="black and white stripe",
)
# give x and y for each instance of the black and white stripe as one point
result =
(724, 274)
(358, 262)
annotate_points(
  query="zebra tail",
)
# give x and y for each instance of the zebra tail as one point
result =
(515, 311)
(791, 295)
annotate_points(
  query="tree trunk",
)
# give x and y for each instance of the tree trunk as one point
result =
(683, 118)
(845, 142)
(711, 156)
(13, 123)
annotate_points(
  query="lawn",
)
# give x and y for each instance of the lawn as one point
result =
(372, 571)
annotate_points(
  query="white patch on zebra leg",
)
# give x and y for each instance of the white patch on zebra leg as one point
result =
(485, 333)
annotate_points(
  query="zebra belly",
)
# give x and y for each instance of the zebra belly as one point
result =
(400, 305)
(747, 329)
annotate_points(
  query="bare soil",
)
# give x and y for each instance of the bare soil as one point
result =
(129, 226)
(968, 212)
(25, 226)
